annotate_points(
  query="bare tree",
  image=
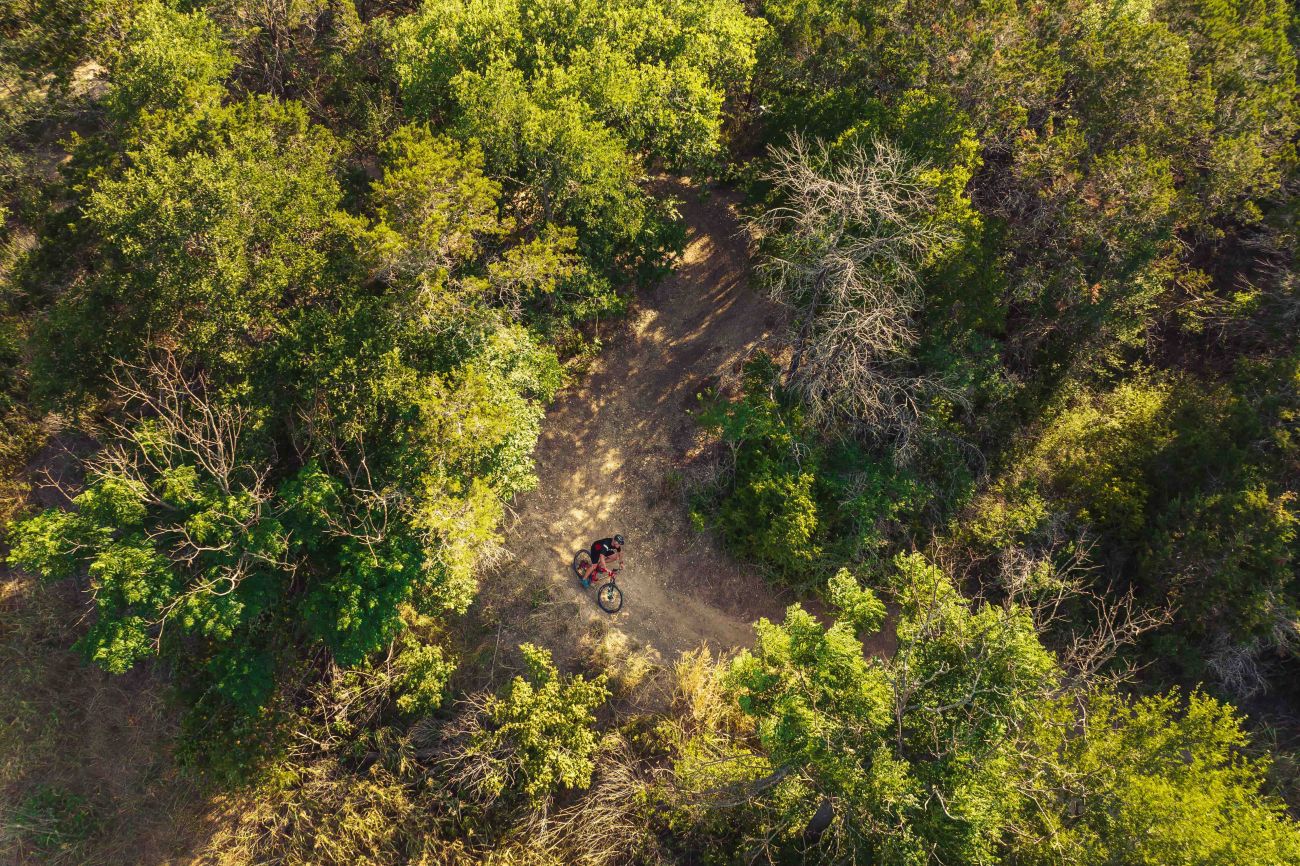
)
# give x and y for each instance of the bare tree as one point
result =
(846, 250)
(1242, 665)
(171, 419)
(1054, 578)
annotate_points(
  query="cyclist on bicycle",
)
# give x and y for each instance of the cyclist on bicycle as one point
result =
(602, 552)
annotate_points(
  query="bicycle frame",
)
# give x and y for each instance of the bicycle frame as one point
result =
(591, 575)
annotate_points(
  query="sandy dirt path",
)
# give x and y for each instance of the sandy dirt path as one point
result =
(612, 473)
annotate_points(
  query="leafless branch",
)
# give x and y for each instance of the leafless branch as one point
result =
(846, 249)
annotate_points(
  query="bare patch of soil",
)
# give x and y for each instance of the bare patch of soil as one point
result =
(100, 745)
(617, 449)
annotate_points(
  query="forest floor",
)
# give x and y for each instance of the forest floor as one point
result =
(620, 451)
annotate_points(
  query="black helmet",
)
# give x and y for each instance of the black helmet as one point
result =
(618, 539)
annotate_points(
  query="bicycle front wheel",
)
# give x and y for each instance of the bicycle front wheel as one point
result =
(610, 598)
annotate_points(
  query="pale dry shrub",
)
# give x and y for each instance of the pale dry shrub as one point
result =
(324, 814)
(845, 250)
(1242, 667)
(479, 776)
(625, 663)
(700, 699)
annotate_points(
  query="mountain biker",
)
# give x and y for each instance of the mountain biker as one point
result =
(602, 552)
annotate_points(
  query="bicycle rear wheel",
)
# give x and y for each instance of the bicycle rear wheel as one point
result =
(610, 598)
(581, 562)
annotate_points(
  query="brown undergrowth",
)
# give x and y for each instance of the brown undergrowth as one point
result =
(87, 774)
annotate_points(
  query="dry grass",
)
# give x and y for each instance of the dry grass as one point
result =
(325, 813)
(86, 775)
(700, 700)
(606, 826)
(86, 772)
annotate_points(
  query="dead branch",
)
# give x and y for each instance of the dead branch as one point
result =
(847, 246)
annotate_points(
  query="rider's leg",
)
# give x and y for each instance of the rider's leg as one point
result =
(594, 568)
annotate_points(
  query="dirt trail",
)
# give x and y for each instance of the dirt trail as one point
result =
(612, 473)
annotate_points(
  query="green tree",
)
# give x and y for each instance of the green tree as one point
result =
(654, 73)
(968, 743)
(169, 60)
(911, 748)
(565, 101)
(1152, 780)
(316, 416)
(220, 222)
(179, 534)
(1152, 481)
(534, 738)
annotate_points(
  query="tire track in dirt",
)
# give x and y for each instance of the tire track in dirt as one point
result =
(613, 470)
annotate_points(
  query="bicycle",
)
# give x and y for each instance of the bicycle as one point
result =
(608, 595)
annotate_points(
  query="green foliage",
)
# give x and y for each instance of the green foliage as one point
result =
(434, 206)
(876, 735)
(168, 60)
(856, 604)
(50, 38)
(1113, 129)
(217, 543)
(794, 500)
(968, 741)
(578, 171)
(425, 671)
(239, 316)
(1159, 471)
(1156, 780)
(772, 516)
(846, 708)
(303, 284)
(436, 215)
(769, 513)
(539, 733)
(218, 225)
(565, 100)
(656, 73)
(1095, 453)
(1114, 174)
(215, 585)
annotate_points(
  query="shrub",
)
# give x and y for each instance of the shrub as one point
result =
(537, 736)
(792, 499)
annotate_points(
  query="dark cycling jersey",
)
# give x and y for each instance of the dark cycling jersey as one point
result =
(604, 547)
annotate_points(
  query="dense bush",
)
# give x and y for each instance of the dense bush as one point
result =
(569, 101)
(966, 741)
(1068, 315)
(1168, 486)
(792, 501)
(536, 737)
